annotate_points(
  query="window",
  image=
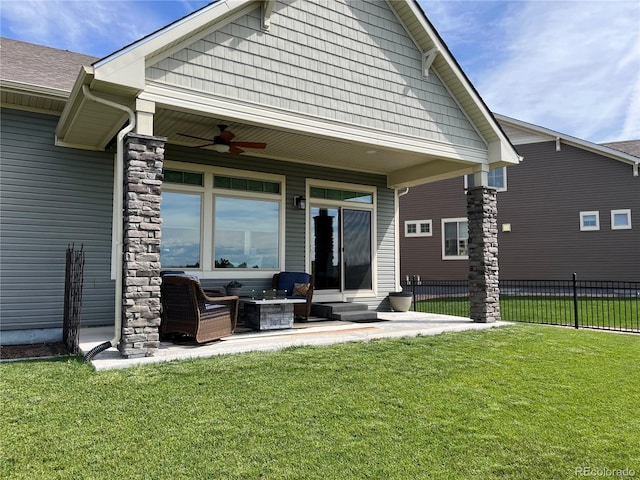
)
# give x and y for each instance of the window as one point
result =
(589, 221)
(497, 178)
(621, 219)
(216, 218)
(455, 239)
(417, 228)
(246, 233)
(180, 230)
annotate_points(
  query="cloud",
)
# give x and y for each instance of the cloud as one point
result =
(572, 66)
(92, 27)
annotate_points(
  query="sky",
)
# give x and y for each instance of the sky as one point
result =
(572, 66)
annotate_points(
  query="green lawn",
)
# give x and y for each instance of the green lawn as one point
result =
(615, 314)
(519, 402)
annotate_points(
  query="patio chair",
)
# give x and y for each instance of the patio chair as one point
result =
(297, 285)
(188, 310)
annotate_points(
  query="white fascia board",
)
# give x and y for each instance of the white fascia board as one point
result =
(429, 172)
(569, 140)
(127, 66)
(259, 115)
(502, 156)
(85, 76)
(33, 90)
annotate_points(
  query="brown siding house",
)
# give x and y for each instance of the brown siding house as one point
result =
(570, 206)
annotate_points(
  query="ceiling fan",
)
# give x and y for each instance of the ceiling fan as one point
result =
(223, 142)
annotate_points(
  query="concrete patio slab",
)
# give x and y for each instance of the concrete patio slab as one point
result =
(319, 332)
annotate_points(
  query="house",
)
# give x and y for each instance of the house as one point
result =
(570, 206)
(247, 138)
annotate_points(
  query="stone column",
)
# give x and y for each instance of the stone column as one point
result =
(484, 293)
(143, 159)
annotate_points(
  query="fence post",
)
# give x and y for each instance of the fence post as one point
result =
(575, 299)
(413, 292)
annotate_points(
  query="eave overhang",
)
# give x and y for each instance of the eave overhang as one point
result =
(561, 138)
(120, 77)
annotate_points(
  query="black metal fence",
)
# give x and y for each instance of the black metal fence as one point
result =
(608, 305)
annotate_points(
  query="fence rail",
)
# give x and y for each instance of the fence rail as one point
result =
(600, 304)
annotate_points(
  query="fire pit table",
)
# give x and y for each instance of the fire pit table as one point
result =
(276, 314)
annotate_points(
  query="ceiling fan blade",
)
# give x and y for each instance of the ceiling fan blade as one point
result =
(235, 150)
(197, 138)
(249, 144)
(226, 136)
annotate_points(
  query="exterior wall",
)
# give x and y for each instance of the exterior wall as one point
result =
(542, 203)
(423, 255)
(296, 176)
(51, 197)
(317, 59)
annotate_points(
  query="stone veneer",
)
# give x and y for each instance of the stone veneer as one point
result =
(484, 292)
(143, 160)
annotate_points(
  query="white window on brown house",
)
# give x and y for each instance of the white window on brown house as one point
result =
(418, 228)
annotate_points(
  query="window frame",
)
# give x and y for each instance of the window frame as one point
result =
(334, 203)
(589, 228)
(209, 193)
(625, 211)
(418, 224)
(456, 220)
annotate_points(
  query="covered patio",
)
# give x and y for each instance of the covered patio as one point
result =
(316, 332)
(249, 140)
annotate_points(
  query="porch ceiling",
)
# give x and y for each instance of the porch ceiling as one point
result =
(313, 149)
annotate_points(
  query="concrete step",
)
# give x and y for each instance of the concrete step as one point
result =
(345, 311)
(327, 310)
(356, 316)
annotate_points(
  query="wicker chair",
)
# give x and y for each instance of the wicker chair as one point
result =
(188, 310)
(287, 281)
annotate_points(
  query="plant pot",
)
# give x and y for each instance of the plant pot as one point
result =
(233, 291)
(400, 301)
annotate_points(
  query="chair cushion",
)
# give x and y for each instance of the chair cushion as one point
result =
(286, 280)
(178, 273)
(300, 289)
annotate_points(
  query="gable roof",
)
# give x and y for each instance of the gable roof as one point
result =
(122, 78)
(36, 77)
(522, 132)
(40, 66)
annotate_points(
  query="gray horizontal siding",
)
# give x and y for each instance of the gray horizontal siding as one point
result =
(545, 196)
(51, 197)
(345, 61)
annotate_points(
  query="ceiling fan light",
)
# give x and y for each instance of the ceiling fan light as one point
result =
(220, 147)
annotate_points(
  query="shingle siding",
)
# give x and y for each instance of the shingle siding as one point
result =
(545, 196)
(51, 197)
(351, 62)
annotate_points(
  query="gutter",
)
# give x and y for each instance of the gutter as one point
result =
(118, 207)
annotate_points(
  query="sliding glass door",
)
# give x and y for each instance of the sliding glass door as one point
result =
(341, 252)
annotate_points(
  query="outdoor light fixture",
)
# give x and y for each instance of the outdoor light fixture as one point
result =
(300, 202)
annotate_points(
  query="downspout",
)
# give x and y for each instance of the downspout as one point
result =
(118, 206)
(397, 247)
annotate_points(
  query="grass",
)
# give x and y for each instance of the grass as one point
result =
(614, 314)
(526, 401)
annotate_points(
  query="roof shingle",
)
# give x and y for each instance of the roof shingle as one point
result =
(38, 65)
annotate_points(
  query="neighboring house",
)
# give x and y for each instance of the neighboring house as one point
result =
(354, 100)
(570, 206)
